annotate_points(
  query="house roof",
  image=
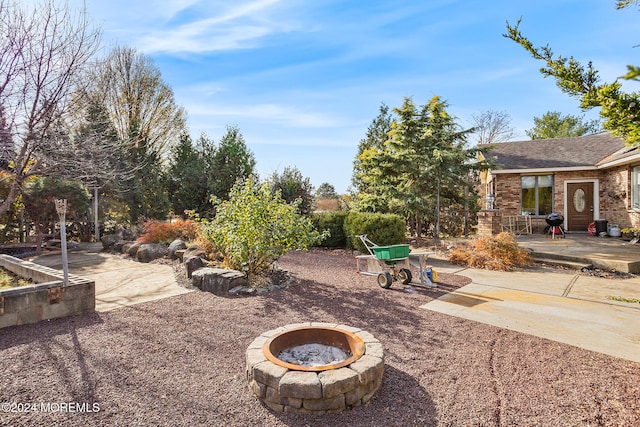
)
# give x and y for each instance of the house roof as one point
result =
(587, 152)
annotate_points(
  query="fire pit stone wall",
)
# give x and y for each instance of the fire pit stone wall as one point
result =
(328, 391)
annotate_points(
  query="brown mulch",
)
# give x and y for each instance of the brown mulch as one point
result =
(180, 361)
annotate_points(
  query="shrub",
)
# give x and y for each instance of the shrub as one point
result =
(166, 232)
(499, 252)
(256, 226)
(382, 229)
(334, 223)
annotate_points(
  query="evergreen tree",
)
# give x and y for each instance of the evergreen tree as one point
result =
(293, 186)
(146, 194)
(230, 161)
(367, 172)
(40, 194)
(421, 170)
(187, 181)
(326, 191)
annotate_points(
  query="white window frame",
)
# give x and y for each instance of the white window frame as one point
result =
(635, 188)
(553, 201)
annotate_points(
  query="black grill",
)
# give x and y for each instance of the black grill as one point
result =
(554, 219)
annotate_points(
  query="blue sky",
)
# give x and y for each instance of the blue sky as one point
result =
(304, 79)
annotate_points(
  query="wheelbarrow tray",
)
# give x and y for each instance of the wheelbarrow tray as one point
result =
(391, 252)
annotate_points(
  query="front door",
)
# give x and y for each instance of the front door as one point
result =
(579, 206)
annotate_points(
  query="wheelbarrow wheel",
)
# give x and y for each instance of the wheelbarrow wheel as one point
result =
(405, 276)
(384, 280)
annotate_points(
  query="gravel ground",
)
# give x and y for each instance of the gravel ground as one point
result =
(180, 361)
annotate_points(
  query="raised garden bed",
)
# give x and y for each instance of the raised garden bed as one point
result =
(47, 298)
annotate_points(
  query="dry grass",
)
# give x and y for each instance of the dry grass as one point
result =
(9, 280)
(499, 252)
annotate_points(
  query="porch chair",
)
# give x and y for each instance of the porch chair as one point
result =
(517, 224)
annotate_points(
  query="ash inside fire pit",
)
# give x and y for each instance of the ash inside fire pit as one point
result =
(313, 355)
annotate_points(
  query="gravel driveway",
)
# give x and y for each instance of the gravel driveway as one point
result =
(180, 361)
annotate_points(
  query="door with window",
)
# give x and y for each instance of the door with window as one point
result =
(579, 206)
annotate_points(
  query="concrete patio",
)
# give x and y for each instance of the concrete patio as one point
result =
(608, 253)
(120, 281)
(565, 305)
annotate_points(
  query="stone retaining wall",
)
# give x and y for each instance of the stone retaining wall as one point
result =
(331, 391)
(47, 299)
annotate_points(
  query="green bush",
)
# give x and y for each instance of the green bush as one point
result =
(334, 223)
(256, 226)
(382, 229)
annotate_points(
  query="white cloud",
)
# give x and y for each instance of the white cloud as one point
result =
(240, 26)
(287, 116)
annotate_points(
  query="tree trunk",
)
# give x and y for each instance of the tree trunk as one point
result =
(38, 238)
(436, 226)
(466, 211)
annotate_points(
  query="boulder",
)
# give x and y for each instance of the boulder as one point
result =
(174, 246)
(108, 240)
(149, 251)
(192, 264)
(217, 280)
(121, 235)
(132, 249)
(117, 246)
(194, 250)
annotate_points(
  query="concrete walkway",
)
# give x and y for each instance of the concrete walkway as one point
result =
(120, 282)
(558, 305)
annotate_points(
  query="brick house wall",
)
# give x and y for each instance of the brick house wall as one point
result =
(614, 191)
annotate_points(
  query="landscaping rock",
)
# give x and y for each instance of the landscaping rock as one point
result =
(122, 235)
(108, 240)
(192, 264)
(149, 251)
(194, 251)
(175, 246)
(126, 246)
(242, 291)
(217, 280)
(57, 244)
(117, 246)
(133, 248)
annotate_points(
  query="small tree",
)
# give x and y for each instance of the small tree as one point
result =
(326, 191)
(293, 186)
(256, 226)
(40, 194)
(187, 178)
(554, 125)
(491, 126)
(231, 161)
(44, 49)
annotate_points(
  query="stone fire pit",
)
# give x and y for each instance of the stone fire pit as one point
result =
(329, 388)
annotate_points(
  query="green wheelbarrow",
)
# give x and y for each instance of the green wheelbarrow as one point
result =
(388, 263)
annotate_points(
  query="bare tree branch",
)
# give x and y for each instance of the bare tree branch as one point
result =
(45, 48)
(492, 126)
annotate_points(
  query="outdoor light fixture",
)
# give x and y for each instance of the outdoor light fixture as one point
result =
(491, 198)
(61, 209)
